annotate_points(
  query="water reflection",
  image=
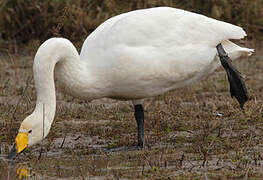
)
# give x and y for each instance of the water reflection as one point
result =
(70, 165)
(22, 172)
(12, 169)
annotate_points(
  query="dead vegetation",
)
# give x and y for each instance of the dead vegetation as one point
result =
(32, 22)
(195, 132)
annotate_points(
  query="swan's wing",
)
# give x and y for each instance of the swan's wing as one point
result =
(159, 27)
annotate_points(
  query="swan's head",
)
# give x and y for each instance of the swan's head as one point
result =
(29, 133)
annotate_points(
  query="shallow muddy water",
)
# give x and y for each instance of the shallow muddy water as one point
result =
(194, 132)
(55, 165)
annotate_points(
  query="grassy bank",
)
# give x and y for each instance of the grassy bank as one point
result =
(25, 21)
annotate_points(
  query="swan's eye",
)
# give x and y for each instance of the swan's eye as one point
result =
(30, 131)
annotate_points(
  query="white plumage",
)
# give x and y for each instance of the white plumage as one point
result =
(132, 56)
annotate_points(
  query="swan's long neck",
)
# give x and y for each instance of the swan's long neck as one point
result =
(48, 55)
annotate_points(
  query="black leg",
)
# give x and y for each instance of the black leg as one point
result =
(139, 116)
(237, 85)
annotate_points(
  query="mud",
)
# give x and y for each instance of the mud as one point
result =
(197, 132)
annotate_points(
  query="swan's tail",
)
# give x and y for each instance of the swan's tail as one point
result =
(234, 51)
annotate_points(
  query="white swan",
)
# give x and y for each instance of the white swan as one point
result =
(131, 56)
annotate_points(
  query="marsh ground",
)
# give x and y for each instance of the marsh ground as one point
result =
(195, 132)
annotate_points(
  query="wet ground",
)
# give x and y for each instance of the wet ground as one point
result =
(197, 132)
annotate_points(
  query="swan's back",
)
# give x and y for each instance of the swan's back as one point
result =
(158, 27)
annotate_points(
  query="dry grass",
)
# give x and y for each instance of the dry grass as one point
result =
(194, 132)
(32, 22)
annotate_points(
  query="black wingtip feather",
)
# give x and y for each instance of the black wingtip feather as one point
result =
(237, 85)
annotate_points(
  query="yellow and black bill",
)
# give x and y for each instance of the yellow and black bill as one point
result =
(20, 145)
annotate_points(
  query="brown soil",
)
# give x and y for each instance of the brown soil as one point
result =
(195, 132)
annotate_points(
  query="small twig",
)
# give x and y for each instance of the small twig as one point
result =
(22, 96)
(145, 143)
(148, 161)
(181, 160)
(247, 173)
(41, 150)
(77, 138)
(206, 177)
(14, 65)
(192, 166)
(249, 142)
(160, 159)
(143, 169)
(40, 154)
(43, 120)
(61, 146)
